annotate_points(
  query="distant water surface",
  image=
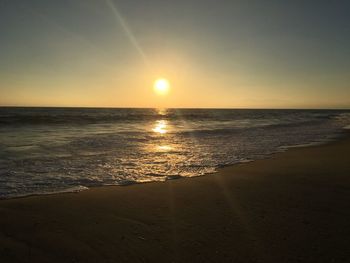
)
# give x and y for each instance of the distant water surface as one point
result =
(49, 150)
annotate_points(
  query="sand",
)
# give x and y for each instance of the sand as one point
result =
(293, 207)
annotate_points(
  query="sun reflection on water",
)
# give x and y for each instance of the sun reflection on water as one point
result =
(164, 148)
(161, 127)
(162, 112)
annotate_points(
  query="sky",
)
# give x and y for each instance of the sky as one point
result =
(216, 54)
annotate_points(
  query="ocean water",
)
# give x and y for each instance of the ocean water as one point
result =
(50, 150)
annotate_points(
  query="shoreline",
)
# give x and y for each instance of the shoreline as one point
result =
(341, 136)
(292, 207)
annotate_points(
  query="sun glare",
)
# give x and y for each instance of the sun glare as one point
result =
(161, 86)
(160, 127)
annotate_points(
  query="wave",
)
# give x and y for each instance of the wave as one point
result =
(51, 116)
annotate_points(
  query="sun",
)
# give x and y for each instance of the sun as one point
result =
(161, 86)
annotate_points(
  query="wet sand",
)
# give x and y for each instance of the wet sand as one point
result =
(293, 207)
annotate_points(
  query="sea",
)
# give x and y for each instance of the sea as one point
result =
(53, 150)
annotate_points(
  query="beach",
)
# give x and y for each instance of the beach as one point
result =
(174, 131)
(292, 207)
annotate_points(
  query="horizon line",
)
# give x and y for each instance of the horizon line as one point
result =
(194, 108)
